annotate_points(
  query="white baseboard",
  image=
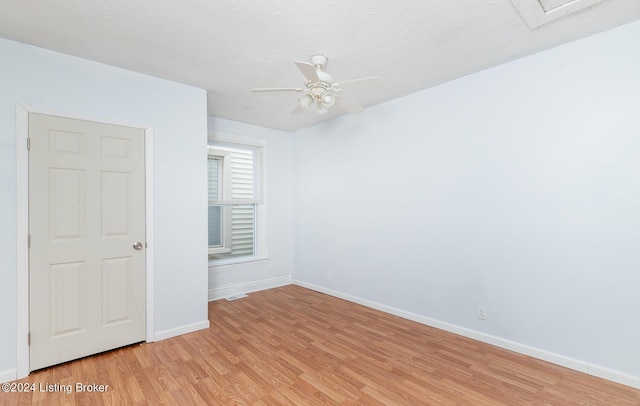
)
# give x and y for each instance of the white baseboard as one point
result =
(248, 287)
(8, 376)
(174, 332)
(567, 362)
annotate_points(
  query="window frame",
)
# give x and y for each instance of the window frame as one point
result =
(258, 146)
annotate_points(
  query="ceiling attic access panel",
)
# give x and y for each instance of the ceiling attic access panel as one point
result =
(549, 5)
(540, 12)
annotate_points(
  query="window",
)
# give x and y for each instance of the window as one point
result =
(233, 183)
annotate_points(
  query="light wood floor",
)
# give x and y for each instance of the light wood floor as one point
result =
(293, 346)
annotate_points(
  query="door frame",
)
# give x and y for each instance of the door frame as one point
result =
(22, 212)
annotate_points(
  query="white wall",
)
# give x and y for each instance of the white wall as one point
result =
(69, 85)
(276, 269)
(516, 188)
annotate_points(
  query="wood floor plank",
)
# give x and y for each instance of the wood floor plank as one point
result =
(293, 346)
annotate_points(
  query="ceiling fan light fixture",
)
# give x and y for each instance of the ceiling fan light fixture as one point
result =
(328, 99)
(322, 109)
(306, 101)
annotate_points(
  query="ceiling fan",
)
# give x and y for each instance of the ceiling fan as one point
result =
(320, 89)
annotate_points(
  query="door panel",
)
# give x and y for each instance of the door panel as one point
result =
(115, 199)
(68, 295)
(86, 211)
(116, 273)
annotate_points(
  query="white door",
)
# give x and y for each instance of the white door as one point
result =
(86, 214)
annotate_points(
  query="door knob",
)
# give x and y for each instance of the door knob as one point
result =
(137, 246)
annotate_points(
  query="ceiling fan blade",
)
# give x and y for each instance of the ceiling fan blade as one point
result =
(351, 107)
(278, 89)
(362, 82)
(308, 70)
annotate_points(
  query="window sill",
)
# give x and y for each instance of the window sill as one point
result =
(224, 263)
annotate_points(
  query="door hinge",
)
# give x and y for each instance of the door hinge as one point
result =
(29, 338)
(29, 241)
(28, 143)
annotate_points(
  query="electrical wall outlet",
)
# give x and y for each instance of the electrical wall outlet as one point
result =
(327, 276)
(482, 312)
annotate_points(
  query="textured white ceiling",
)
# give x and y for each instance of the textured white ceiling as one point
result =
(230, 47)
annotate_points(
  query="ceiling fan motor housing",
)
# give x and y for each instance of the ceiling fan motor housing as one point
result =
(325, 78)
(319, 89)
